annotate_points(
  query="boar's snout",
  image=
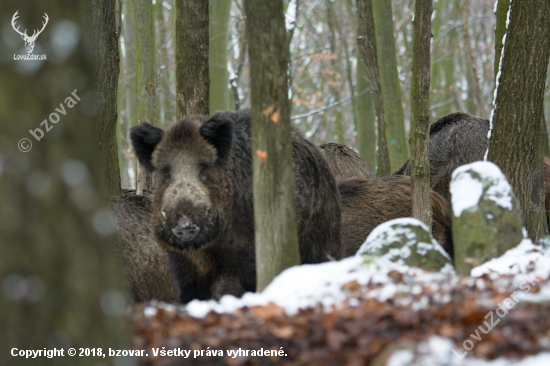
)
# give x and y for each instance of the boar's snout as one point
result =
(185, 229)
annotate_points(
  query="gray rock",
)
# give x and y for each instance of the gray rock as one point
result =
(486, 217)
(406, 241)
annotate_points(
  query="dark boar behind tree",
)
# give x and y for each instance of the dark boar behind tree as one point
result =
(203, 206)
(455, 140)
(345, 163)
(458, 139)
(366, 203)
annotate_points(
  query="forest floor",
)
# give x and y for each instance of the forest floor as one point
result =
(365, 311)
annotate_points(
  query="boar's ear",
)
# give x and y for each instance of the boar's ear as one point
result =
(144, 140)
(218, 131)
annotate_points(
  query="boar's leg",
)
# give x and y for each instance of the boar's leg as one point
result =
(195, 279)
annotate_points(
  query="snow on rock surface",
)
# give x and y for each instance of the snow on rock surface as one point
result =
(406, 241)
(487, 219)
(472, 181)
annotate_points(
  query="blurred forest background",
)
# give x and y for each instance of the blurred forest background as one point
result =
(329, 93)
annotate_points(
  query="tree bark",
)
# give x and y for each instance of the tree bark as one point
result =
(335, 84)
(107, 66)
(365, 127)
(474, 88)
(276, 234)
(128, 76)
(500, 31)
(366, 43)
(389, 80)
(219, 33)
(145, 67)
(60, 279)
(516, 143)
(192, 44)
(420, 112)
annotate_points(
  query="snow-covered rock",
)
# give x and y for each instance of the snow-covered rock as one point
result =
(406, 241)
(486, 220)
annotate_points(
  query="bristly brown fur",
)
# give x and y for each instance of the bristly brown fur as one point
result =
(366, 203)
(345, 163)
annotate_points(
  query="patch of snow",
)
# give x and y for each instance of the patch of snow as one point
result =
(448, 268)
(437, 350)
(402, 357)
(150, 311)
(466, 191)
(311, 285)
(518, 260)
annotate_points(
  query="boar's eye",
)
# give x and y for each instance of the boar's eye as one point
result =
(203, 171)
(166, 174)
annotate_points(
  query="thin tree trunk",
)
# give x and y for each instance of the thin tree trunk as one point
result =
(474, 88)
(219, 33)
(338, 127)
(60, 283)
(104, 34)
(128, 56)
(389, 80)
(366, 43)
(145, 66)
(276, 233)
(516, 143)
(365, 127)
(420, 112)
(192, 75)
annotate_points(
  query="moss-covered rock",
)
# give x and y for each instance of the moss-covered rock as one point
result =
(406, 241)
(486, 217)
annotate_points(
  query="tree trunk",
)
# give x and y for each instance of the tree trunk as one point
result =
(500, 31)
(145, 66)
(192, 40)
(366, 43)
(389, 80)
(474, 87)
(335, 85)
(516, 142)
(61, 284)
(128, 76)
(276, 234)
(104, 35)
(361, 100)
(420, 112)
(365, 127)
(219, 33)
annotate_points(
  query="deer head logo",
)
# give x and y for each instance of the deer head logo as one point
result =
(29, 41)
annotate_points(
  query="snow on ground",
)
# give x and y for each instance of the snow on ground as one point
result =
(339, 284)
(439, 351)
(322, 284)
(310, 285)
(525, 258)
